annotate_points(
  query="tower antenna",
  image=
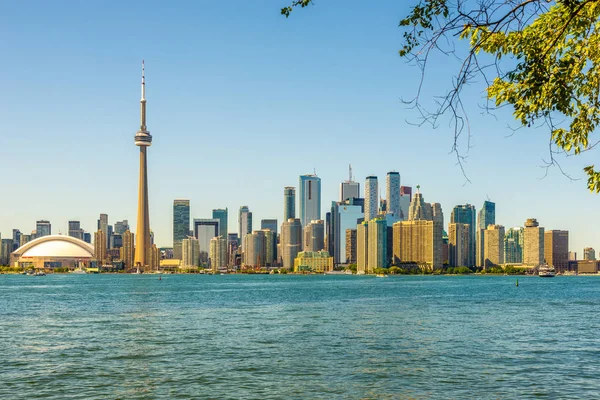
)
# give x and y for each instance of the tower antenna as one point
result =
(349, 172)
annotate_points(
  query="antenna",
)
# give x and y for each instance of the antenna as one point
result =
(315, 171)
(488, 198)
(350, 172)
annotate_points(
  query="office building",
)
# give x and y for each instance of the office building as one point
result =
(218, 253)
(572, 256)
(465, 214)
(419, 209)
(485, 217)
(103, 226)
(377, 245)
(493, 252)
(254, 249)
(362, 248)
(556, 249)
(181, 225)
(270, 224)
(43, 228)
(291, 241)
(6, 248)
(349, 189)
(533, 243)
(313, 261)
(459, 244)
(121, 227)
(314, 236)
(392, 189)
(190, 252)
(128, 249)
(116, 241)
(343, 216)
(371, 197)
(589, 254)
(244, 223)
(437, 214)
(289, 202)
(350, 246)
(16, 236)
(27, 238)
(204, 231)
(100, 246)
(270, 247)
(513, 246)
(419, 242)
(221, 215)
(309, 198)
(406, 191)
(75, 230)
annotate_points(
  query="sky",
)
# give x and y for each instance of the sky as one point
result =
(241, 101)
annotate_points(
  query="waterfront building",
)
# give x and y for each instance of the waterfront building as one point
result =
(419, 209)
(362, 247)
(493, 252)
(43, 228)
(128, 249)
(377, 245)
(221, 215)
(204, 231)
(344, 215)
(349, 189)
(309, 198)
(589, 254)
(270, 247)
(314, 236)
(572, 256)
(143, 140)
(350, 246)
(245, 224)
(53, 251)
(485, 217)
(291, 241)
(181, 225)
(465, 214)
(371, 197)
(6, 248)
(190, 252)
(289, 202)
(254, 249)
(459, 244)
(556, 249)
(533, 243)
(418, 241)
(513, 246)
(392, 199)
(100, 246)
(218, 253)
(313, 261)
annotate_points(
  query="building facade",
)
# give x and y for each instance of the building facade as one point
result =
(556, 249)
(513, 246)
(377, 245)
(392, 190)
(309, 198)
(589, 254)
(218, 253)
(314, 236)
(371, 198)
(289, 202)
(459, 244)
(485, 217)
(465, 214)
(350, 246)
(313, 261)
(419, 242)
(291, 241)
(493, 253)
(533, 243)
(181, 225)
(362, 248)
(245, 224)
(190, 252)
(221, 215)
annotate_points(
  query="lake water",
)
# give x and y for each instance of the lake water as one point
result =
(304, 337)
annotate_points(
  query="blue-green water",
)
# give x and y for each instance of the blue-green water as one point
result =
(263, 337)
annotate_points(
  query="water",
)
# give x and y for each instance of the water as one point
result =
(317, 337)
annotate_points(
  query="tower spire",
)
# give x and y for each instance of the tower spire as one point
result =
(143, 101)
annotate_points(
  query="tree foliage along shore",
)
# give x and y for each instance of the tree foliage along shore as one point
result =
(539, 57)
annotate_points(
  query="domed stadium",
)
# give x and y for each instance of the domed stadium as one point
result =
(53, 251)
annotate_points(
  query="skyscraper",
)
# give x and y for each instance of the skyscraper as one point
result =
(556, 249)
(181, 225)
(350, 246)
(343, 216)
(254, 249)
(291, 241)
(458, 244)
(75, 230)
(349, 189)
(221, 215)
(589, 254)
(289, 202)
(314, 236)
(204, 231)
(43, 228)
(418, 241)
(392, 186)
(121, 227)
(493, 252)
(16, 238)
(245, 224)
(533, 239)
(6, 247)
(377, 246)
(270, 224)
(465, 214)
(371, 197)
(128, 249)
(485, 217)
(419, 209)
(218, 253)
(309, 198)
(190, 252)
(362, 248)
(513, 246)
(143, 140)
(100, 246)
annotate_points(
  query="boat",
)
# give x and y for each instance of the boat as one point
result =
(79, 271)
(546, 271)
(39, 273)
(381, 276)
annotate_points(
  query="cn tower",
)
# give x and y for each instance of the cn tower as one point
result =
(143, 140)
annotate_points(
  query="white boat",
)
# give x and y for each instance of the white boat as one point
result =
(546, 271)
(79, 271)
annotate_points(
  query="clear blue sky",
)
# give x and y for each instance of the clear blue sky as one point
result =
(241, 101)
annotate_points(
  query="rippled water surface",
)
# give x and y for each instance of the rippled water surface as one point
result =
(263, 337)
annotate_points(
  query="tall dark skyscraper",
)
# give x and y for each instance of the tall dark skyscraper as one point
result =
(181, 225)
(465, 214)
(485, 217)
(221, 215)
(43, 228)
(16, 238)
(289, 203)
(270, 224)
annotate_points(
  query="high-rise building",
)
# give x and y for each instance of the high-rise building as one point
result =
(309, 198)
(377, 246)
(181, 225)
(116, 241)
(485, 217)
(16, 238)
(121, 227)
(43, 228)
(436, 213)
(128, 249)
(100, 246)
(154, 258)
(371, 197)
(556, 249)
(418, 241)
(6, 248)
(87, 237)
(459, 242)
(589, 254)
(392, 186)
(289, 202)
(465, 214)
(204, 231)
(349, 189)
(270, 224)
(513, 246)
(270, 247)
(75, 230)
(291, 241)
(103, 226)
(350, 246)
(28, 238)
(572, 256)
(362, 247)
(254, 249)
(493, 252)
(221, 215)
(190, 252)
(143, 140)
(406, 191)
(218, 253)
(533, 243)
(343, 216)
(314, 236)
(419, 209)
(245, 224)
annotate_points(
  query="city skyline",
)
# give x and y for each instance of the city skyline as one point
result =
(504, 168)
